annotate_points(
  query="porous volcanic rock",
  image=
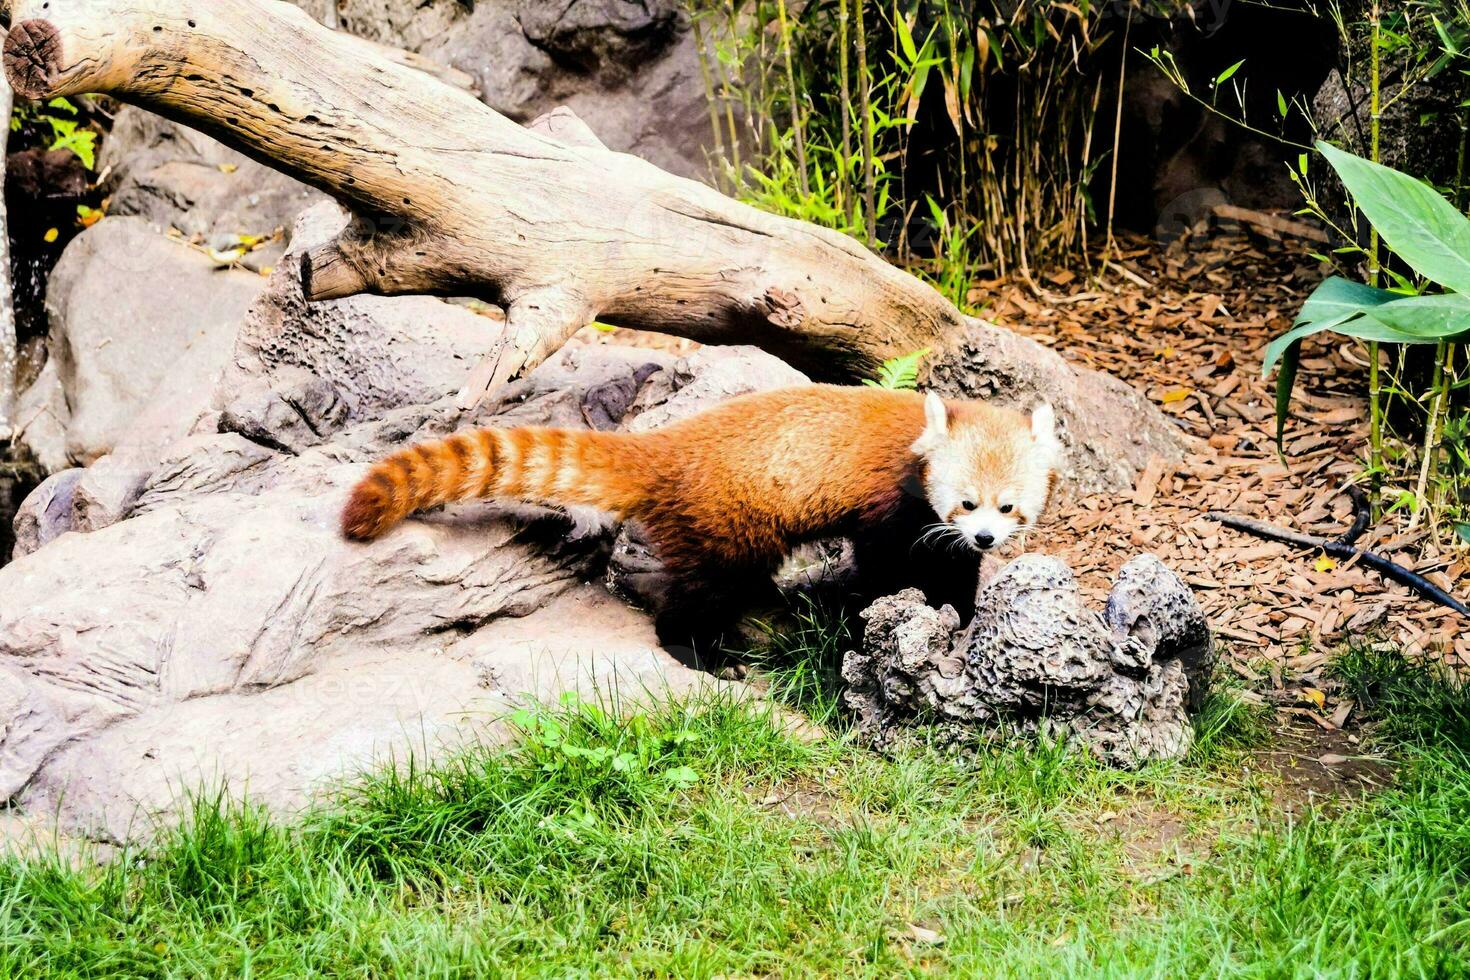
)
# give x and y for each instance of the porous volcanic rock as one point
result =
(1035, 659)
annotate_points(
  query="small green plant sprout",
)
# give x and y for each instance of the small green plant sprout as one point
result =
(590, 746)
(66, 134)
(1430, 235)
(899, 373)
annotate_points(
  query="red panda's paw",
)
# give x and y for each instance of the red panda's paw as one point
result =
(369, 512)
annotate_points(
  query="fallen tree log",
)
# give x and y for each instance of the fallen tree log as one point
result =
(451, 198)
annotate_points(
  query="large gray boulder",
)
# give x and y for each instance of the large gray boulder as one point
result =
(1036, 660)
(226, 596)
(273, 368)
(137, 320)
(213, 626)
(176, 177)
(628, 68)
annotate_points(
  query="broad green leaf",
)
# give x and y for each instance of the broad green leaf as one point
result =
(1332, 306)
(1333, 303)
(1281, 103)
(1427, 319)
(1355, 310)
(1424, 229)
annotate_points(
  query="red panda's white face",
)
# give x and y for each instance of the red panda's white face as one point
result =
(988, 472)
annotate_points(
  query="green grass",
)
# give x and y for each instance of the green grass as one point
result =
(708, 840)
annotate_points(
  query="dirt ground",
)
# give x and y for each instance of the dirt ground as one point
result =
(1187, 325)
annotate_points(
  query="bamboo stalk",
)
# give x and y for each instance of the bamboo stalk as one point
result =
(734, 27)
(794, 94)
(1442, 353)
(1080, 203)
(865, 108)
(768, 123)
(1375, 381)
(844, 204)
(963, 196)
(1111, 244)
(709, 88)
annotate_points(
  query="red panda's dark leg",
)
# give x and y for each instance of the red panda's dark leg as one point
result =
(706, 586)
(702, 606)
(892, 558)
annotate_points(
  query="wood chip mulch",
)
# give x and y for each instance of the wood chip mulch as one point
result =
(1186, 324)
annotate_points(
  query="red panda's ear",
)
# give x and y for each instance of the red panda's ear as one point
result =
(1044, 433)
(1043, 423)
(936, 424)
(936, 415)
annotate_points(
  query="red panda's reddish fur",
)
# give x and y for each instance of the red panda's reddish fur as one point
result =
(734, 486)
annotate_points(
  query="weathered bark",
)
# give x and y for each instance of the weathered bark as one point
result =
(451, 198)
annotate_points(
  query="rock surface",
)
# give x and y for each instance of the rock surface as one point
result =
(628, 68)
(1035, 659)
(46, 513)
(203, 622)
(285, 744)
(137, 321)
(41, 417)
(174, 176)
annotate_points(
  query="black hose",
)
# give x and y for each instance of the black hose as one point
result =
(1338, 549)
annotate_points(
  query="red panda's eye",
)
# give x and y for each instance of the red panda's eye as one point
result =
(969, 505)
(1007, 509)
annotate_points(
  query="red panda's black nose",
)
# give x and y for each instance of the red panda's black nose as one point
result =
(984, 540)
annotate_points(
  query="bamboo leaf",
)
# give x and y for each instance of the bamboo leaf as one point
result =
(1424, 229)
(1427, 319)
(1444, 36)
(1225, 75)
(1285, 381)
(952, 106)
(905, 35)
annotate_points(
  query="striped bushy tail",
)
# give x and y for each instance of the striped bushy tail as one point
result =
(553, 466)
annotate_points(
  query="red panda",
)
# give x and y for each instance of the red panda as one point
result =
(724, 495)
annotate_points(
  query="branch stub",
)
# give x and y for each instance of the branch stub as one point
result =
(33, 58)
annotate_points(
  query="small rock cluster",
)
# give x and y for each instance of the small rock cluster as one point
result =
(1035, 659)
